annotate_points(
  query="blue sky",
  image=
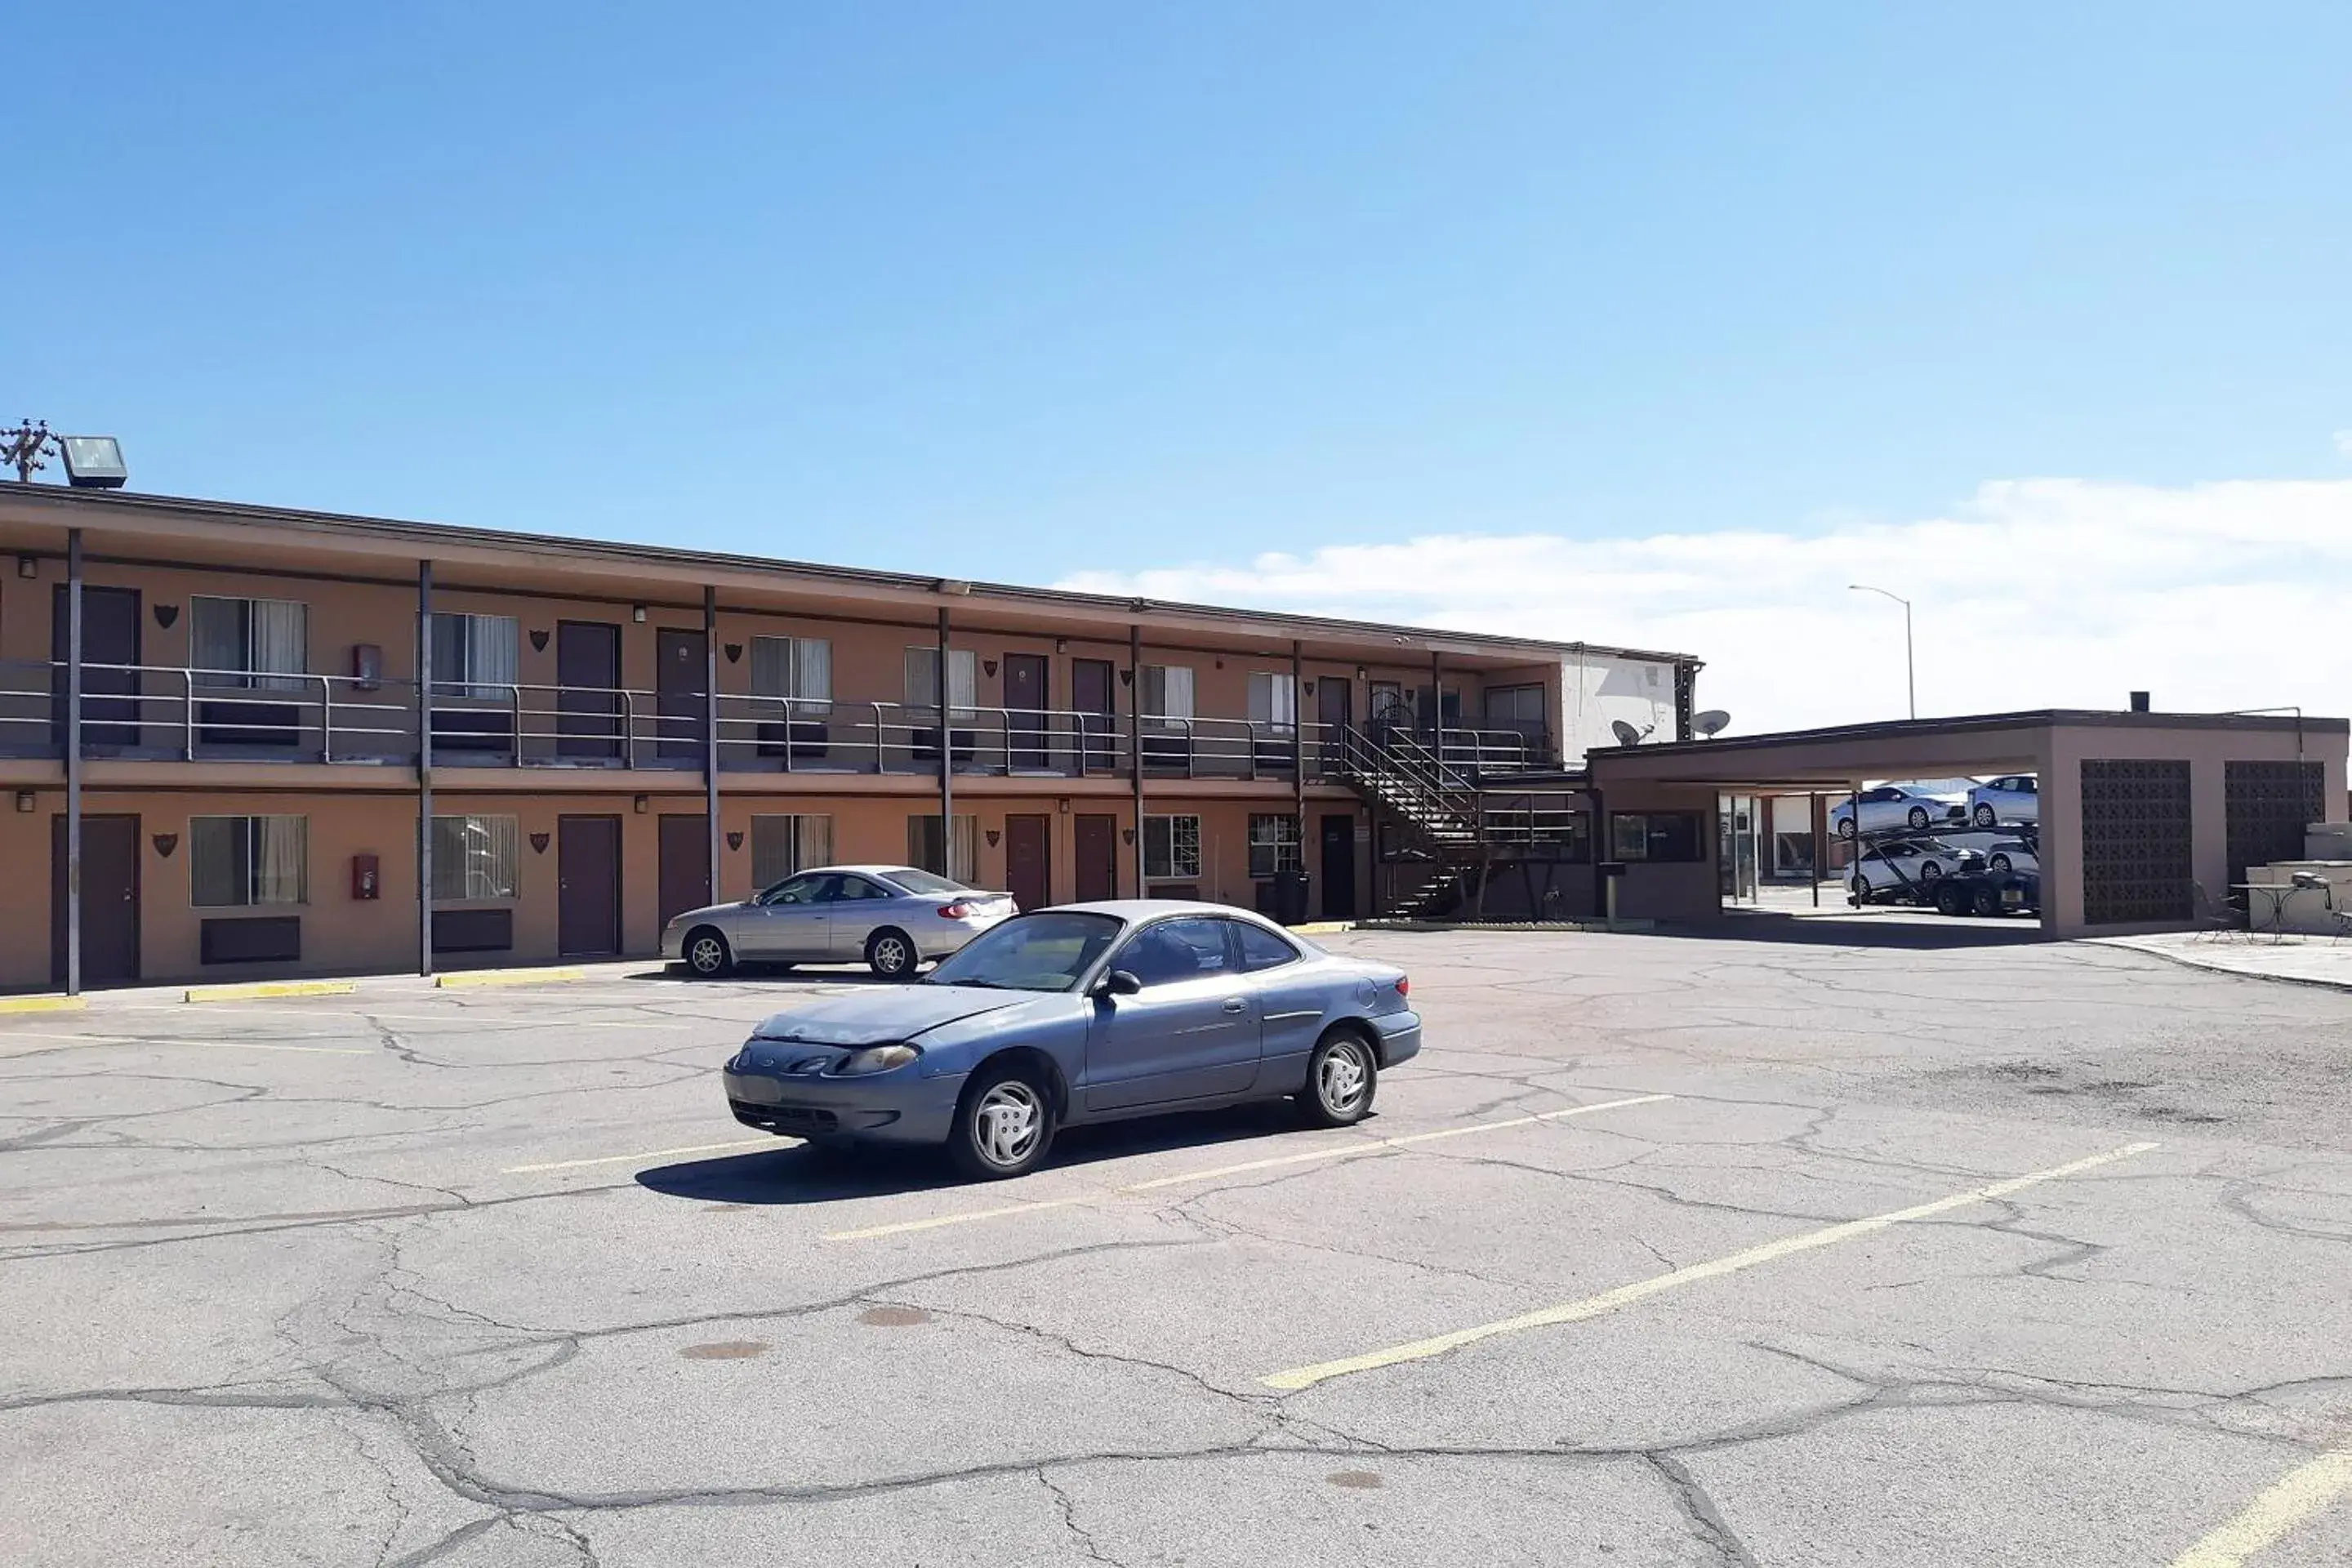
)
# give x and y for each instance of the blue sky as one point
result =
(1029, 290)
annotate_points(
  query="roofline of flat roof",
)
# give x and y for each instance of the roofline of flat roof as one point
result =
(330, 522)
(1974, 724)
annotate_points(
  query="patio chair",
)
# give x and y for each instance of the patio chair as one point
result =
(2215, 922)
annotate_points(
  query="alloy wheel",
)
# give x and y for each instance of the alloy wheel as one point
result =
(1340, 1080)
(706, 955)
(891, 955)
(1007, 1122)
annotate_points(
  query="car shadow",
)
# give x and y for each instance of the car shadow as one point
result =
(803, 1174)
(1903, 929)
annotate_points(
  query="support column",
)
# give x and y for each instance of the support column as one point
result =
(1436, 711)
(1299, 741)
(710, 732)
(425, 767)
(73, 762)
(1135, 738)
(947, 761)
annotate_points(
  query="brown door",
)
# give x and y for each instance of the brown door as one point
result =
(1097, 859)
(109, 900)
(1025, 706)
(679, 686)
(1339, 865)
(1028, 860)
(588, 886)
(1091, 684)
(588, 679)
(685, 880)
(109, 636)
(1335, 710)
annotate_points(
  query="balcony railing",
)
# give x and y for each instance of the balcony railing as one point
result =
(164, 713)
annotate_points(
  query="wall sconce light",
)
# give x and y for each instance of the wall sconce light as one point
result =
(1359, 672)
(1066, 805)
(25, 801)
(641, 804)
(1061, 644)
(637, 613)
(28, 566)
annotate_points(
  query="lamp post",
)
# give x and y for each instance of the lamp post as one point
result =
(1910, 670)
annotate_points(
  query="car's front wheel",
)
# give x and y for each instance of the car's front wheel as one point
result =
(707, 954)
(1341, 1078)
(1929, 871)
(1985, 815)
(1917, 816)
(1845, 828)
(1003, 1125)
(2000, 863)
(891, 954)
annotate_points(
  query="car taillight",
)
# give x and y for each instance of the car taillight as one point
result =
(955, 912)
(1405, 986)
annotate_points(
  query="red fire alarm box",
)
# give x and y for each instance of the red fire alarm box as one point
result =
(367, 882)
(367, 666)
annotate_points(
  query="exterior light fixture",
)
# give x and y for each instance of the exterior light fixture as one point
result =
(953, 586)
(637, 613)
(1061, 644)
(24, 800)
(93, 462)
(28, 566)
(640, 804)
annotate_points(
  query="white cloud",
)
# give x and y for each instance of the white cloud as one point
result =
(2037, 592)
(2344, 442)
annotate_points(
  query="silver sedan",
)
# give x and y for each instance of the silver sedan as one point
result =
(892, 917)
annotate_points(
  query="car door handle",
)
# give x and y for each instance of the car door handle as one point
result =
(1235, 1004)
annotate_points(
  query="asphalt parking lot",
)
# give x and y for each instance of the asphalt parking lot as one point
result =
(1665, 1251)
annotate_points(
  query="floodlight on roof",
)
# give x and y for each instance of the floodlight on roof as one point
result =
(93, 462)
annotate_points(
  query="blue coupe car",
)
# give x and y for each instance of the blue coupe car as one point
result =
(1081, 1014)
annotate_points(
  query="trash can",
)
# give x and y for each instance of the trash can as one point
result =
(1290, 897)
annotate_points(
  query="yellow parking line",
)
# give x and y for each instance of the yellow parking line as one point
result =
(649, 1155)
(476, 979)
(934, 1223)
(1372, 1146)
(1625, 1295)
(1342, 1152)
(2296, 1496)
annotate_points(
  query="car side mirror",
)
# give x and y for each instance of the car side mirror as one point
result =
(1118, 983)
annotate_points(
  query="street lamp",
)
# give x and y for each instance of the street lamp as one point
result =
(1910, 670)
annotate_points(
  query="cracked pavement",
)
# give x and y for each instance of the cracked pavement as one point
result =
(492, 1277)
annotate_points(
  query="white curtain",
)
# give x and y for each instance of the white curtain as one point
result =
(477, 858)
(813, 674)
(281, 860)
(1167, 693)
(475, 656)
(281, 643)
(782, 847)
(923, 679)
(1273, 700)
(797, 668)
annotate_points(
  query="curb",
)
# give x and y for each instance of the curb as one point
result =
(1323, 928)
(261, 989)
(2204, 967)
(1627, 925)
(43, 1004)
(482, 979)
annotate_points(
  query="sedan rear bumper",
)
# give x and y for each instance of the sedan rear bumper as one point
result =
(1399, 1036)
(901, 1107)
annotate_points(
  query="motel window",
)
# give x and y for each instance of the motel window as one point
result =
(923, 848)
(1518, 707)
(1273, 845)
(1172, 848)
(1168, 694)
(1273, 701)
(477, 858)
(963, 680)
(238, 862)
(251, 644)
(1656, 835)
(797, 668)
(784, 847)
(474, 656)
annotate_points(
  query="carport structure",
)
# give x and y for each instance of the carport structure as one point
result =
(2139, 810)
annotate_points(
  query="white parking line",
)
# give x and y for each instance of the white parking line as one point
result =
(1340, 1152)
(1626, 1295)
(2295, 1496)
(651, 1154)
(126, 1040)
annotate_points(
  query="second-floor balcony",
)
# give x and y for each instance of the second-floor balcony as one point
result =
(140, 712)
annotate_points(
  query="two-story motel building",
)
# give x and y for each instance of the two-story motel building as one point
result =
(227, 722)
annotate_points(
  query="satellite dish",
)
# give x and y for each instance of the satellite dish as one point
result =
(1626, 735)
(1710, 723)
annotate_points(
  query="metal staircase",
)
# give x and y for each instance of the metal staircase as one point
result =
(1438, 807)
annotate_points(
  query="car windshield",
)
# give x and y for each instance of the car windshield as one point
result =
(923, 882)
(1045, 951)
